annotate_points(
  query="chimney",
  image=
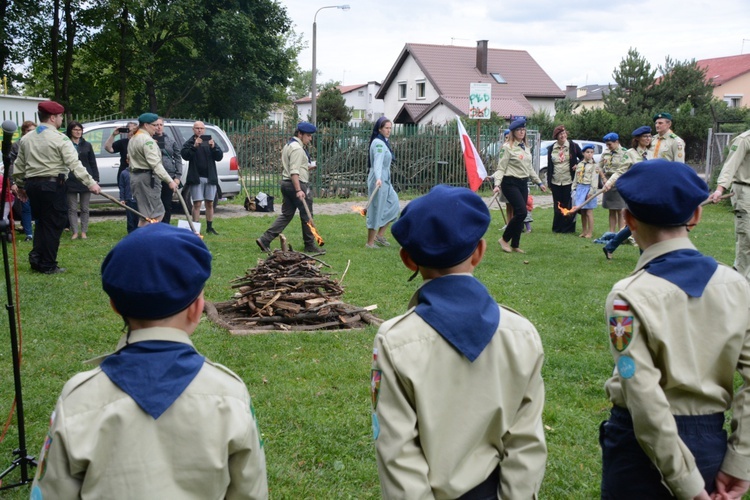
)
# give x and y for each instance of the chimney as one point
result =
(482, 56)
(571, 91)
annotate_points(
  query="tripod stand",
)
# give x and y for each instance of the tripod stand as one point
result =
(24, 460)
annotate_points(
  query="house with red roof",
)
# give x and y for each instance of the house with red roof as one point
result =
(730, 77)
(431, 83)
(360, 97)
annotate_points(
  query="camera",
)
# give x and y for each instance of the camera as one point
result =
(205, 137)
(123, 130)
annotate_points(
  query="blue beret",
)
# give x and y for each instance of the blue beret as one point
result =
(506, 132)
(306, 128)
(612, 136)
(662, 192)
(663, 115)
(443, 227)
(587, 146)
(641, 130)
(156, 271)
(148, 118)
(517, 123)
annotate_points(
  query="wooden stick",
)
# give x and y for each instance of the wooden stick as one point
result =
(722, 197)
(115, 200)
(188, 215)
(578, 207)
(374, 192)
(502, 210)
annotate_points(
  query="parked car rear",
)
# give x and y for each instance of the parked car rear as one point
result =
(180, 130)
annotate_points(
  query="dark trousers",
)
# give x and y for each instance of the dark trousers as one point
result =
(49, 208)
(516, 191)
(166, 200)
(618, 240)
(131, 219)
(562, 223)
(289, 206)
(628, 473)
(486, 490)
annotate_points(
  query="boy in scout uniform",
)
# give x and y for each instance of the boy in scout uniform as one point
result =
(155, 419)
(679, 327)
(736, 173)
(457, 392)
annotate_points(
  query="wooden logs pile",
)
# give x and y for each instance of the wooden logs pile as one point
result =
(288, 292)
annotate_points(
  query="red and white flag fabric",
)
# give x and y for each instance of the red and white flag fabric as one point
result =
(475, 170)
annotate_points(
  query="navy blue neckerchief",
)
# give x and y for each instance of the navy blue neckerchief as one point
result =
(154, 373)
(461, 310)
(294, 139)
(688, 269)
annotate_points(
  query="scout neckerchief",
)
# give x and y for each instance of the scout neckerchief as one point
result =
(658, 145)
(154, 373)
(461, 310)
(687, 268)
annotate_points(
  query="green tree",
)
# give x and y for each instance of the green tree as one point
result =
(541, 121)
(331, 105)
(634, 77)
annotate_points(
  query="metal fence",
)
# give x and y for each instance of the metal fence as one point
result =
(424, 156)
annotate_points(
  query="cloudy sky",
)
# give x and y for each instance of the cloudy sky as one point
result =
(577, 42)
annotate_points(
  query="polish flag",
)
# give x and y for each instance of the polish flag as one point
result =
(475, 170)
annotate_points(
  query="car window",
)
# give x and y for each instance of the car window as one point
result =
(185, 132)
(97, 138)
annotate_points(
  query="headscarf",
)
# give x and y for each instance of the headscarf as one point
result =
(377, 135)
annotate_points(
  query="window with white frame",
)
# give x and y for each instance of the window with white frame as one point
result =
(401, 91)
(421, 89)
(358, 114)
(733, 100)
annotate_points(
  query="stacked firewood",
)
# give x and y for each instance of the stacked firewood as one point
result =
(288, 292)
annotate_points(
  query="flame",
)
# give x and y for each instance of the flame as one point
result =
(563, 210)
(151, 221)
(318, 238)
(362, 210)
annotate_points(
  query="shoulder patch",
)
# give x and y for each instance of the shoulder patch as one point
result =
(379, 148)
(621, 331)
(626, 367)
(375, 377)
(734, 147)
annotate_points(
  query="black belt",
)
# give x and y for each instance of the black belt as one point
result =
(740, 183)
(43, 179)
(139, 171)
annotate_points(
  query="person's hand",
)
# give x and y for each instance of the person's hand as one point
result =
(123, 202)
(14, 189)
(174, 185)
(211, 143)
(198, 142)
(729, 487)
(606, 187)
(714, 198)
(378, 183)
(301, 194)
(96, 189)
(496, 189)
(543, 188)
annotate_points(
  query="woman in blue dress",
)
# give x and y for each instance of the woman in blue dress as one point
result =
(383, 208)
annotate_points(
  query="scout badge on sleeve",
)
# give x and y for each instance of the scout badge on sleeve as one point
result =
(621, 325)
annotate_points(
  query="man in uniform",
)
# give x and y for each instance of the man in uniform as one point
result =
(295, 189)
(172, 161)
(666, 145)
(202, 178)
(736, 174)
(147, 171)
(679, 327)
(45, 157)
(155, 419)
(457, 391)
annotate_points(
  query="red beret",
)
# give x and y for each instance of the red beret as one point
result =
(557, 131)
(50, 107)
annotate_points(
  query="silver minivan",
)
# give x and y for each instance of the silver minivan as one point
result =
(179, 130)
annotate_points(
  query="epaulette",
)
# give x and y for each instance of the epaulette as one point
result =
(224, 369)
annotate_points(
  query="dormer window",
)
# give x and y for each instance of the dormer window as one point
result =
(498, 77)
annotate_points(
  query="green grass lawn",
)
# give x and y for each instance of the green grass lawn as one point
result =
(311, 390)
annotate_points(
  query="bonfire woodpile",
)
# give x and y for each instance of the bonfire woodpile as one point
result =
(288, 292)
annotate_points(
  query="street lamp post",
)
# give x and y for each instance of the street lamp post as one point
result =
(314, 87)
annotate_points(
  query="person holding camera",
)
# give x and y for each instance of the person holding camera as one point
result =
(172, 161)
(202, 153)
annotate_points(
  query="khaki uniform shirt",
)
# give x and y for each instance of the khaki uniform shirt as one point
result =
(669, 147)
(614, 164)
(684, 352)
(587, 173)
(294, 161)
(101, 444)
(46, 152)
(639, 154)
(515, 162)
(560, 164)
(144, 154)
(442, 423)
(737, 165)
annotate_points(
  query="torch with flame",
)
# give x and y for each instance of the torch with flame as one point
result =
(311, 225)
(576, 208)
(363, 210)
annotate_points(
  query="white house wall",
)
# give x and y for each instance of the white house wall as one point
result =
(410, 73)
(547, 105)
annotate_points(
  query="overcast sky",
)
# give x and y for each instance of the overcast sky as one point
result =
(578, 42)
